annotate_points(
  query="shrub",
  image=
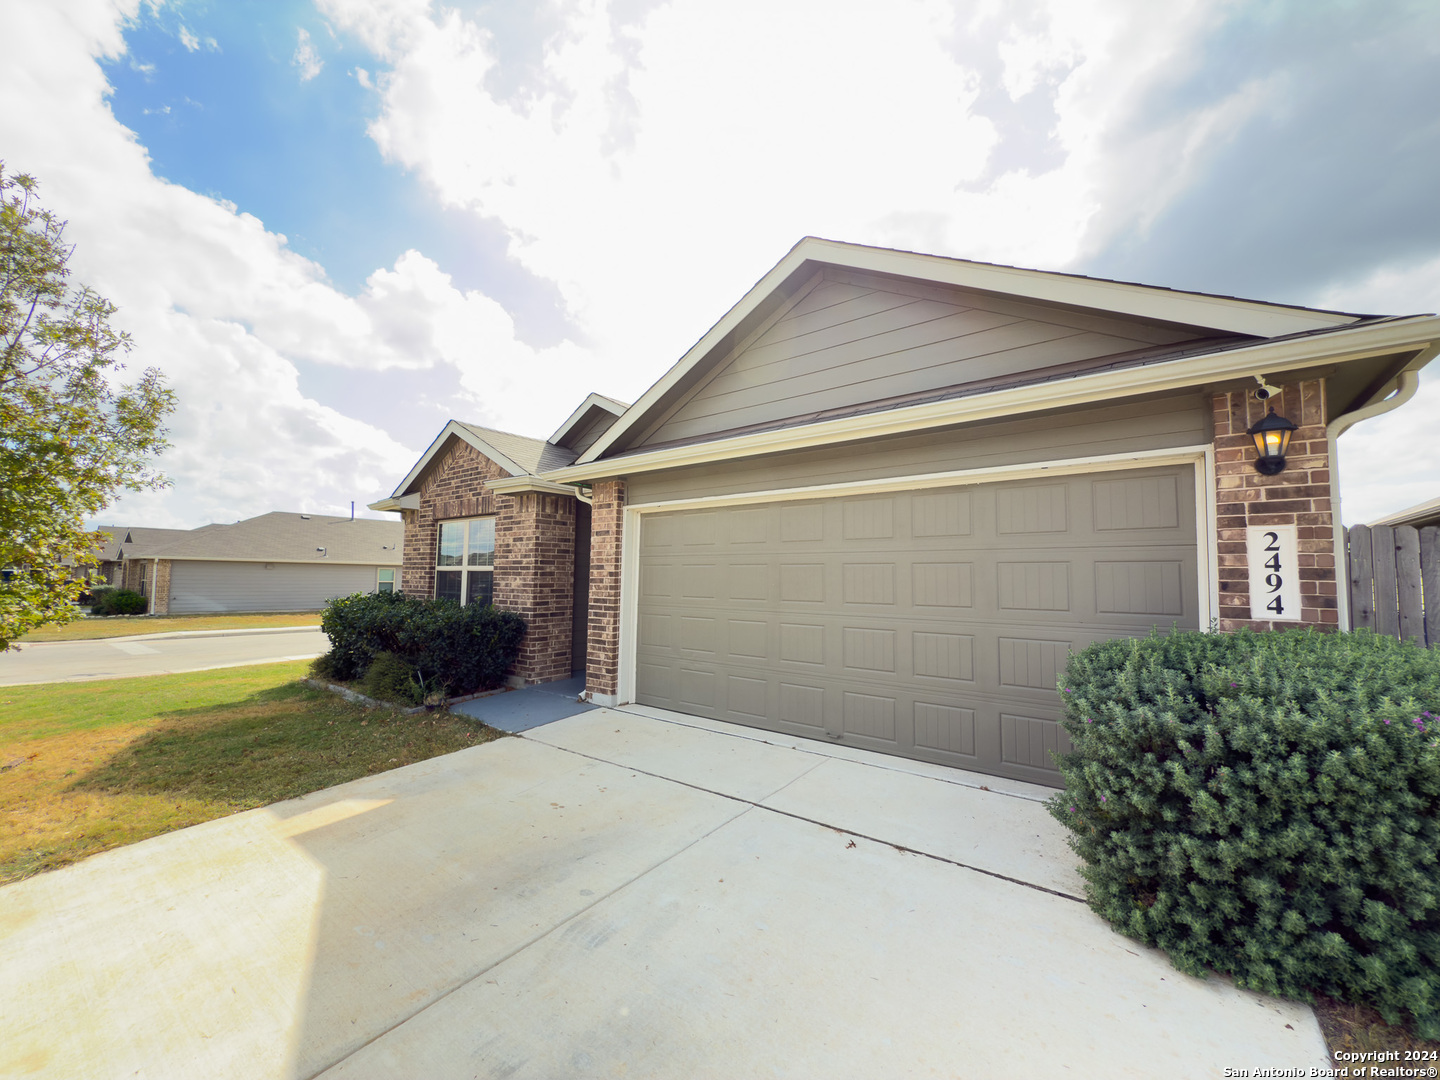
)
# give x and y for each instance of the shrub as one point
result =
(118, 602)
(389, 678)
(446, 647)
(1267, 806)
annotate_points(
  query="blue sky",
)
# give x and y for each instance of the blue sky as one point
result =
(337, 224)
(233, 121)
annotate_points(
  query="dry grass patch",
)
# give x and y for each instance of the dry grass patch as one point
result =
(83, 770)
(1360, 1028)
(110, 626)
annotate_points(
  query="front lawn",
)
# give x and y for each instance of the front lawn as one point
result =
(89, 629)
(90, 766)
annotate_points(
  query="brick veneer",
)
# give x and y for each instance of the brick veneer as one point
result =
(454, 489)
(161, 604)
(534, 553)
(535, 575)
(602, 663)
(1298, 496)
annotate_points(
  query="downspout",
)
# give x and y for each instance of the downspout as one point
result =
(1408, 382)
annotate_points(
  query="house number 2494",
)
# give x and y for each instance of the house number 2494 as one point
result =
(1273, 556)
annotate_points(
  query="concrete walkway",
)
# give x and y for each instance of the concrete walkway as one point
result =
(157, 654)
(620, 893)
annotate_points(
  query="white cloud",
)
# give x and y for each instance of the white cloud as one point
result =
(651, 169)
(188, 38)
(306, 58)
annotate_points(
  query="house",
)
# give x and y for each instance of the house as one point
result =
(275, 562)
(110, 560)
(1419, 516)
(888, 493)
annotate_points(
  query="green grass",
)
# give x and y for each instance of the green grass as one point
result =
(90, 629)
(88, 767)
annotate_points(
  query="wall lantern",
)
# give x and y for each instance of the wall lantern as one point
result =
(1272, 437)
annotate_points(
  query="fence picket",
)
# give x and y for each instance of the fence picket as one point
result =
(1362, 579)
(1387, 607)
(1407, 583)
(1430, 576)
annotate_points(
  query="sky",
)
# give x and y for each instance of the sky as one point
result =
(336, 225)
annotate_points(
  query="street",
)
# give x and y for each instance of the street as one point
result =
(156, 654)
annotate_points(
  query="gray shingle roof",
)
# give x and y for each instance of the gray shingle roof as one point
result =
(533, 455)
(280, 536)
(128, 536)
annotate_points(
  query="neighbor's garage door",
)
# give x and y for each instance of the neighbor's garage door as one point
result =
(243, 586)
(931, 624)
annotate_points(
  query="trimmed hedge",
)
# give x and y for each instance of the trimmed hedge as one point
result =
(1267, 806)
(448, 649)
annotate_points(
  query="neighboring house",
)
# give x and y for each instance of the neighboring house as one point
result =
(275, 562)
(1419, 516)
(883, 499)
(124, 539)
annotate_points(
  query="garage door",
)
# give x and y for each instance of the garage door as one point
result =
(206, 586)
(931, 624)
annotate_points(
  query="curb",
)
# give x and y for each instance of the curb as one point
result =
(360, 699)
(188, 634)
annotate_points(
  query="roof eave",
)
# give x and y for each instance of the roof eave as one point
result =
(1231, 315)
(1269, 357)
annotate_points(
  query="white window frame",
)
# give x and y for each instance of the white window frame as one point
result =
(380, 572)
(465, 568)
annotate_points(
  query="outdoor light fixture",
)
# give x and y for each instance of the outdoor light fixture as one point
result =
(1272, 437)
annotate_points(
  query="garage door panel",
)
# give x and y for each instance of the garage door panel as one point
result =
(933, 624)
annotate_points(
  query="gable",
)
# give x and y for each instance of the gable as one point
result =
(854, 340)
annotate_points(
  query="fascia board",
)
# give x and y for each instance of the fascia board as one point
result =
(1269, 358)
(404, 502)
(459, 431)
(593, 401)
(1191, 309)
(515, 484)
(700, 350)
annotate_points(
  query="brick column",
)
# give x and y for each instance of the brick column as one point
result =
(1298, 496)
(160, 603)
(535, 576)
(602, 662)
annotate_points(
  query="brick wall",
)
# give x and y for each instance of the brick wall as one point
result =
(535, 576)
(1298, 496)
(161, 603)
(454, 489)
(534, 553)
(602, 666)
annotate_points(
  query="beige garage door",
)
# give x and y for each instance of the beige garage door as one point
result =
(931, 624)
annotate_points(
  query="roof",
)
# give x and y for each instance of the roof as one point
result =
(280, 536)
(593, 406)
(518, 455)
(122, 535)
(1221, 319)
(532, 455)
(1420, 515)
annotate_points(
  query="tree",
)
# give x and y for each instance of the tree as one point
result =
(72, 436)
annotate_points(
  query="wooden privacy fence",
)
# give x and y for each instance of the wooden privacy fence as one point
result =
(1395, 580)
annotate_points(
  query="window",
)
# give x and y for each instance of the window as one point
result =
(384, 580)
(465, 561)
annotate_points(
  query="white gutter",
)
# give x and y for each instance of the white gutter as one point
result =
(1407, 384)
(1271, 357)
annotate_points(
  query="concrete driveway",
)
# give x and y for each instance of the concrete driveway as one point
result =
(620, 893)
(157, 654)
